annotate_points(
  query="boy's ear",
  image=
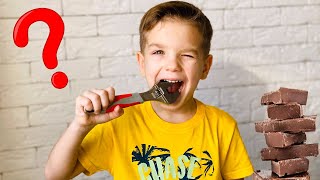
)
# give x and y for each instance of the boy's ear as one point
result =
(140, 59)
(206, 66)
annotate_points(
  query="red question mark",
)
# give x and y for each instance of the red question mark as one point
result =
(49, 55)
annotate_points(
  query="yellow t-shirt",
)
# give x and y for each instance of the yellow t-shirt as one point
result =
(141, 146)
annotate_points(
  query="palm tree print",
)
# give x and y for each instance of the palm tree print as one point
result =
(208, 163)
(189, 155)
(143, 155)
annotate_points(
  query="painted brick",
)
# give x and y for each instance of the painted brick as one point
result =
(312, 86)
(314, 35)
(75, 69)
(60, 113)
(22, 95)
(313, 70)
(14, 73)
(252, 56)
(300, 15)
(17, 159)
(115, 66)
(122, 85)
(258, 112)
(42, 155)
(232, 39)
(226, 4)
(280, 35)
(231, 76)
(136, 44)
(238, 100)
(95, 7)
(31, 136)
(314, 1)
(208, 96)
(14, 117)
(216, 18)
(279, 73)
(143, 6)
(263, 3)
(253, 141)
(218, 59)
(312, 106)
(16, 8)
(238, 96)
(243, 18)
(7, 29)
(27, 174)
(99, 46)
(10, 53)
(122, 24)
(299, 53)
(80, 26)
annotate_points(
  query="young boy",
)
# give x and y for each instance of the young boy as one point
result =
(153, 140)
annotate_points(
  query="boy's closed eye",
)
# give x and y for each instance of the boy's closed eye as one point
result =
(188, 55)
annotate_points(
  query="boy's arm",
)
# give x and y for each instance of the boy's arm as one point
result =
(63, 160)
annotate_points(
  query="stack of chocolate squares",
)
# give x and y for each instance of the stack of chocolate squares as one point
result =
(285, 136)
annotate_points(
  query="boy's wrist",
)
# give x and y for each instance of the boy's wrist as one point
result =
(80, 128)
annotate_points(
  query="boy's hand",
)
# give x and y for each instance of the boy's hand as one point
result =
(95, 99)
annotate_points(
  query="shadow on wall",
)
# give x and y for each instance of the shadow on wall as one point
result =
(237, 91)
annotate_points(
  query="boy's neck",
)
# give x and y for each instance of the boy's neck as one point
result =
(175, 115)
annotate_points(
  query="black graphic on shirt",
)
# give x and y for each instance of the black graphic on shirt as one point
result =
(155, 163)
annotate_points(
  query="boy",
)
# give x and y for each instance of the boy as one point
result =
(153, 140)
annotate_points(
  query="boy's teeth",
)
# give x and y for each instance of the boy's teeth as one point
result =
(172, 81)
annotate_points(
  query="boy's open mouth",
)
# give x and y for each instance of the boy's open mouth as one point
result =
(176, 86)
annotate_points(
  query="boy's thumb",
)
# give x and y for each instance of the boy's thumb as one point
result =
(118, 111)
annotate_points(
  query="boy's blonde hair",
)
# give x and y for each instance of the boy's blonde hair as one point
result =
(179, 10)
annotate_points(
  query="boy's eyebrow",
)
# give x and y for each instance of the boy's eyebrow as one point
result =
(194, 50)
(156, 45)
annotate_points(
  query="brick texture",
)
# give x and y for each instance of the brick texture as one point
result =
(258, 46)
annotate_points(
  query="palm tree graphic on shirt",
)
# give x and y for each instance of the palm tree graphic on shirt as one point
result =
(148, 153)
(144, 155)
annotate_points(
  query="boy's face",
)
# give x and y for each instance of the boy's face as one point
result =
(173, 52)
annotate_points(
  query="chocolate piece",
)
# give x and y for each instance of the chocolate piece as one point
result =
(268, 175)
(294, 151)
(290, 166)
(305, 124)
(287, 111)
(281, 139)
(284, 96)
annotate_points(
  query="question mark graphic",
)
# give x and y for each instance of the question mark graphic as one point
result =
(49, 55)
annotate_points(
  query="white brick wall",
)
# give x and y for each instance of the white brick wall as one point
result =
(258, 46)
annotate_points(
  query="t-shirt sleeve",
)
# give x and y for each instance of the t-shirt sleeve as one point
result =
(235, 160)
(96, 149)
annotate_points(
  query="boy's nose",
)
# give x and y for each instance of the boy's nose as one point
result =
(173, 64)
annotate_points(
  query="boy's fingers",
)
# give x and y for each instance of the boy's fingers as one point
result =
(95, 100)
(83, 103)
(104, 97)
(118, 111)
(111, 93)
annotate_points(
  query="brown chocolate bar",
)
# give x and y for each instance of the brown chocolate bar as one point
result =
(268, 175)
(284, 96)
(281, 139)
(287, 111)
(294, 151)
(290, 166)
(305, 124)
